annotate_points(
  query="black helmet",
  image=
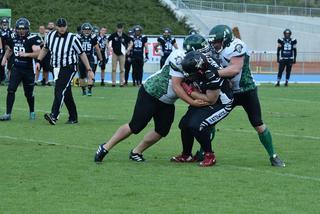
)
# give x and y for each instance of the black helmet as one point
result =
(287, 32)
(86, 26)
(196, 42)
(167, 30)
(221, 33)
(4, 20)
(194, 65)
(137, 28)
(23, 23)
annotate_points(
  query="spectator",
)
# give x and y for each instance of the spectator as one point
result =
(121, 45)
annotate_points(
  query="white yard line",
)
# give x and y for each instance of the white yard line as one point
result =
(300, 177)
(298, 100)
(275, 133)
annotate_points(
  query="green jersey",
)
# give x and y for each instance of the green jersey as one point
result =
(244, 80)
(159, 85)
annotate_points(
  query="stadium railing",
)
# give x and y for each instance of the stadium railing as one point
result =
(248, 8)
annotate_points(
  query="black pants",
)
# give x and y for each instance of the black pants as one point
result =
(285, 63)
(26, 76)
(249, 100)
(198, 123)
(127, 66)
(147, 108)
(163, 60)
(63, 93)
(2, 71)
(137, 70)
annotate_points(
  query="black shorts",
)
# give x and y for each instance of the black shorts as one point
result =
(249, 100)
(204, 117)
(82, 69)
(18, 75)
(148, 107)
(46, 66)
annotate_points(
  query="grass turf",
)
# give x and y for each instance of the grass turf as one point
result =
(50, 169)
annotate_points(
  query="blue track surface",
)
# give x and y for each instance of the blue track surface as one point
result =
(260, 78)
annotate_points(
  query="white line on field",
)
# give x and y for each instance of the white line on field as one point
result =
(274, 133)
(300, 177)
(298, 100)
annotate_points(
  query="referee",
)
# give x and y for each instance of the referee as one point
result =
(64, 48)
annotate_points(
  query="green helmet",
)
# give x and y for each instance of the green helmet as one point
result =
(221, 33)
(196, 42)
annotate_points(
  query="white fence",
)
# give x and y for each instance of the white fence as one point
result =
(248, 8)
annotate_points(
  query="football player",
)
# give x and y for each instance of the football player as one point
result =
(198, 123)
(89, 42)
(286, 55)
(140, 46)
(128, 61)
(233, 56)
(6, 34)
(155, 101)
(25, 48)
(102, 41)
(166, 42)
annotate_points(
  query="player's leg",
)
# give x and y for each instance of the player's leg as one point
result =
(114, 68)
(162, 61)
(28, 86)
(253, 109)
(163, 119)
(121, 65)
(288, 72)
(82, 78)
(134, 71)
(127, 66)
(70, 104)
(14, 82)
(90, 85)
(144, 109)
(140, 70)
(103, 69)
(280, 71)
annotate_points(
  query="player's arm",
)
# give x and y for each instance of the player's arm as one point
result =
(146, 50)
(211, 96)
(98, 52)
(7, 54)
(234, 68)
(130, 45)
(174, 43)
(278, 51)
(1, 47)
(34, 54)
(176, 84)
(294, 51)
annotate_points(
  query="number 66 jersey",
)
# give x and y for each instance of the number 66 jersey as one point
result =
(23, 44)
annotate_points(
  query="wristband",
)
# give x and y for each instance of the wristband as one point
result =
(38, 61)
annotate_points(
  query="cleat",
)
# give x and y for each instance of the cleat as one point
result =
(183, 159)
(32, 116)
(136, 157)
(72, 122)
(50, 119)
(276, 161)
(84, 93)
(113, 85)
(286, 84)
(100, 154)
(277, 84)
(5, 117)
(209, 160)
(102, 84)
(89, 93)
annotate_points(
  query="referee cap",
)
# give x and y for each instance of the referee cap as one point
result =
(61, 22)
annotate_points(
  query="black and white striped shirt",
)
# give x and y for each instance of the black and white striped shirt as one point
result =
(64, 49)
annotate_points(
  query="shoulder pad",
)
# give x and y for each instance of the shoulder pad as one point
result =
(236, 48)
(31, 36)
(93, 36)
(175, 59)
(280, 40)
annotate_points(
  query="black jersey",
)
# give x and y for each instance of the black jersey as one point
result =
(23, 44)
(138, 45)
(5, 36)
(287, 47)
(88, 43)
(210, 81)
(166, 44)
(102, 40)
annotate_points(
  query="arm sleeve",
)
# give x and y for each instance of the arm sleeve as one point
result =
(10, 43)
(173, 41)
(295, 49)
(77, 45)
(94, 40)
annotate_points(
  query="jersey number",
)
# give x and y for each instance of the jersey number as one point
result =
(86, 46)
(168, 46)
(17, 50)
(287, 47)
(137, 44)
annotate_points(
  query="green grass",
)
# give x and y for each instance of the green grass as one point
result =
(150, 14)
(50, 169)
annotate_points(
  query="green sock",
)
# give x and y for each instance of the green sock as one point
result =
(266, 140)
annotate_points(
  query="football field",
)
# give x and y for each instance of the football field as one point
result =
(50, 169)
